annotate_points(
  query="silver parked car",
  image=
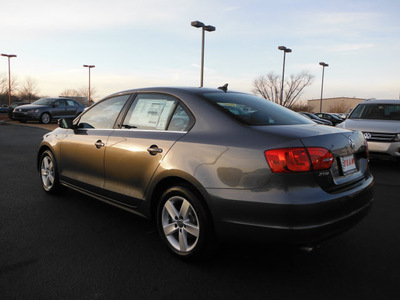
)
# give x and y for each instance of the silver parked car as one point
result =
(379, 120)
(208, 163)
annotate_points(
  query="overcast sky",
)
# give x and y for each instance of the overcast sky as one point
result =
(145, 43)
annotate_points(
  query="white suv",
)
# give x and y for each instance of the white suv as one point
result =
(379, 120)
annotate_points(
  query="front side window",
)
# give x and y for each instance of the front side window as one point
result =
(104, 114)
(150, 112)
(252, 110)
(59, 103)
(377, 112)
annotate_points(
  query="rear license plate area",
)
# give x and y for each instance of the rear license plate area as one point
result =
(348, 165)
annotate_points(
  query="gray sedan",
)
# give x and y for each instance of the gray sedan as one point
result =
(210, 164)
(47, 109)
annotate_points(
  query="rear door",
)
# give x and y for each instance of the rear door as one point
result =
(153, 123)
(59, 109)
(71, 109)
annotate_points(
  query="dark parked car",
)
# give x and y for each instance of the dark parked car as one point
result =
(47, 109)
(330, 117)
(4, 108)
(14, 105)
(206, 163)
(316, 119)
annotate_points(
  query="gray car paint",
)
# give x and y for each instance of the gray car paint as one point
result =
(224, 161)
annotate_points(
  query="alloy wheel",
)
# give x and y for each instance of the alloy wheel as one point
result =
(47, 173)
(46, 118)
(180, 224)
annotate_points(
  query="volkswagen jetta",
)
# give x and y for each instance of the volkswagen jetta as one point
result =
(210, 163)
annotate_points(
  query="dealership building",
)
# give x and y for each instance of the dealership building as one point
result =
(340, 104)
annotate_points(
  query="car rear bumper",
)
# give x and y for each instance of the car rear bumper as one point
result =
(286, 218)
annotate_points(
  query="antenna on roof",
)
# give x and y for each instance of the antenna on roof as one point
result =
(224, 87)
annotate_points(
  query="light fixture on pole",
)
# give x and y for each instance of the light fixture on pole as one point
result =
(209, 28)
(322, 84)
(285, 50)
(9, 76)
(89, 66)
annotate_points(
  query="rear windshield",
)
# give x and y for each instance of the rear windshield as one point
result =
(376, 112)
(253, 110)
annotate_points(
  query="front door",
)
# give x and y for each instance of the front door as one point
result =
(83, 149)
(135, 151)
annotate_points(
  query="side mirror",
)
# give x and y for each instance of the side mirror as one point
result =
(66, 123)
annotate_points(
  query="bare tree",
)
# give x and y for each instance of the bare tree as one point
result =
(340, 107)
(70, 93)
(269, 87)
(81, 92)
(29, 90)
(4, 84)
(85, 92)
(301, 107)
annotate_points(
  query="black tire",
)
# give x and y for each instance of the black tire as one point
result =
(10, 116)
(45, 118)
(48, 173)
(191, 226)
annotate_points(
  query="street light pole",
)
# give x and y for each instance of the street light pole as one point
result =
(285, 50)
(322, 84)
(9, 76)
(89, 66)
(205, 28)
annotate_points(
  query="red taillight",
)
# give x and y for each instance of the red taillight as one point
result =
(321, 158)
(288, 160)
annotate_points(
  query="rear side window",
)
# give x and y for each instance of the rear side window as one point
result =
(252, 110)
(71, 103)
(376, 111)
(181, 120)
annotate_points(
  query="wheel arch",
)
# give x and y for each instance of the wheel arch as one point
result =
(172, 181)
(39, 154)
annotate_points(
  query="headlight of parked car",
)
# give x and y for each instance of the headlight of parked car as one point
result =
(33, 111)
(397, 138)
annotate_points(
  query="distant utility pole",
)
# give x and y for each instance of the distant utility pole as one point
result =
(9, 76)
(322, 84)
(89, 66)
(205, 28)
(285, 50)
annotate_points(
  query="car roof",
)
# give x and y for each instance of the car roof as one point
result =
(175, 90)
(381, 101)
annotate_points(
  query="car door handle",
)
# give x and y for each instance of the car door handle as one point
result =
(153, 150)
(99, 144)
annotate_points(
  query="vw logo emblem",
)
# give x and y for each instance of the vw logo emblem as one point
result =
(367, 135)
(352, 144)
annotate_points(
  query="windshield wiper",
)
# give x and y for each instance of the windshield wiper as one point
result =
(128, 126)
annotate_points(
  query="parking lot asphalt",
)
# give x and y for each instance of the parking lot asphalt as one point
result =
(4, 119)
(74, 247)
